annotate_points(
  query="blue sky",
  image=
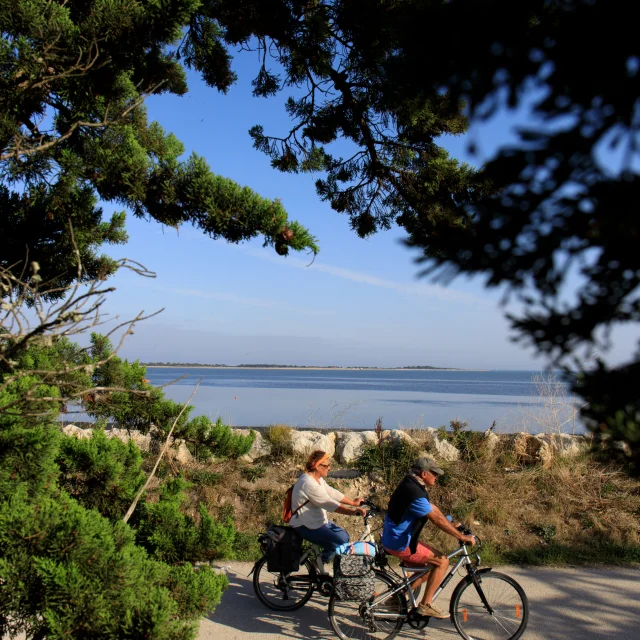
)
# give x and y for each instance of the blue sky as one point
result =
(360, 303)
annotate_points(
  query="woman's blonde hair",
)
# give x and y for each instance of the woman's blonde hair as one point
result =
(314, 458)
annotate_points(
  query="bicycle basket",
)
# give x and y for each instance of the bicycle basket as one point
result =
(353, 577)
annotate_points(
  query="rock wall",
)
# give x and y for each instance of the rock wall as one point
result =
(347, 446)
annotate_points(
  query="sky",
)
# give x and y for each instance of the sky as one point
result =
(360, 303)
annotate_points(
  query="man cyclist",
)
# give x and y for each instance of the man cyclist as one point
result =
(409, 509)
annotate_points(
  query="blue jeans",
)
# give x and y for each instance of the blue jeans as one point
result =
(329, 537)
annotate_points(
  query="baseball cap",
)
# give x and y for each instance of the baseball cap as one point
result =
(427, 464)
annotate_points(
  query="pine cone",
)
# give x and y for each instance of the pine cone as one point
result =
(287, 234)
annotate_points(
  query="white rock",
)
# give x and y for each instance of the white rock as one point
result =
(142, 440)
(304, 442)
(397, 435)
(72, 430)
(444, 450)
(349, 444)
(491, 441)
(259, 448)
(561, 444)
(182, 453)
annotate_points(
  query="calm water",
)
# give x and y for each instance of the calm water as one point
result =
(356, 399)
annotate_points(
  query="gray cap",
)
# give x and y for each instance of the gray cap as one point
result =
(427, 464)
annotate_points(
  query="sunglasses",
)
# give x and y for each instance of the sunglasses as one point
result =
(324, 465)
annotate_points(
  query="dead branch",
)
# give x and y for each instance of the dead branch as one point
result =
(162, 452)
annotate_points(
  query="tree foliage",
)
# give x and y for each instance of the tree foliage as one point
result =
(101, 473)
(74, 132)
(375, 84)
(126, 410)
(173, 536)
(551, 212)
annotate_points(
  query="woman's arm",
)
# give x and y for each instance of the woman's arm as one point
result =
(352, 503)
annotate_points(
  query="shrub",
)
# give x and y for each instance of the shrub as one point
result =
(101, 473)
(204, 478)
(280, 438)
(254, 473)
(172, 536)
(392, 459)
(468, 443)
(206, 439)
(246, 547)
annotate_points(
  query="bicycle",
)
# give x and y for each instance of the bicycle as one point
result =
(288, 592)
(485, 604)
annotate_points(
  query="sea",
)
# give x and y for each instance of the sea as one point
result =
(356, 398)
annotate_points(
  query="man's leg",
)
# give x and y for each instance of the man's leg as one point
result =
(440, 565)
(427, 555)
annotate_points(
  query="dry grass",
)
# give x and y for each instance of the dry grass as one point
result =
(579, 509)
(574, 511)
(280, 438)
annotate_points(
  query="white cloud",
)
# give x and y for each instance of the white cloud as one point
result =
(411, 289)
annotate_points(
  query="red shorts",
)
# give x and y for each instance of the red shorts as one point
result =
(419, 558)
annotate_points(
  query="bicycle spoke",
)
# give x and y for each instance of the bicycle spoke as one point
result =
(382, 621)
(506, 617)
(283, 592)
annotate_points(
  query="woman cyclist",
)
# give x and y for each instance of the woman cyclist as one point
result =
(312, 497)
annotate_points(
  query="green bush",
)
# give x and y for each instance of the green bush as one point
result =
(254, 473)
(172, 536)
(468, 443)
(206, 439)
(280, 438)
(101, 473)
(246, 547)
(392, 459)
(204, 478)
(72, 573)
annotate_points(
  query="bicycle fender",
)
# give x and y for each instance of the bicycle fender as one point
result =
(254, 566)
(466, 580)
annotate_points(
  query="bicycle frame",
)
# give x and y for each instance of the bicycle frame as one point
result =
(418, 572)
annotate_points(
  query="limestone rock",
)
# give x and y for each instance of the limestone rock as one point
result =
(260, 447)
(349, 444)
(182, 453)
(396, 436)
(560, 444)
(72, 430)
(304, 442)
(491, 441)
(444, 450)
(142, 440)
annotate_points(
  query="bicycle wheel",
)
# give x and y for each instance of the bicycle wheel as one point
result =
(283, 592)
(509, 606)
(352, 621)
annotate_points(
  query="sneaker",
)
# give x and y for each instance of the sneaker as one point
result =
(432, 611)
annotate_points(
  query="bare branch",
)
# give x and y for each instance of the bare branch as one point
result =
(162, 452)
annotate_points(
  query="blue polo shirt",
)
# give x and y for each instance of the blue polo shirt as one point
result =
(396, 537)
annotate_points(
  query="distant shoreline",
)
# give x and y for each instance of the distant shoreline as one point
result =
(217, 366)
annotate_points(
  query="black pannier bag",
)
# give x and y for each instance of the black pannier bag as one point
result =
(283, 548)
(353, 577)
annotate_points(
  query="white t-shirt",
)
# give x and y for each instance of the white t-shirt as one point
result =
(322, 498)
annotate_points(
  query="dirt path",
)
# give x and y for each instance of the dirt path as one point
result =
(580, 604)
